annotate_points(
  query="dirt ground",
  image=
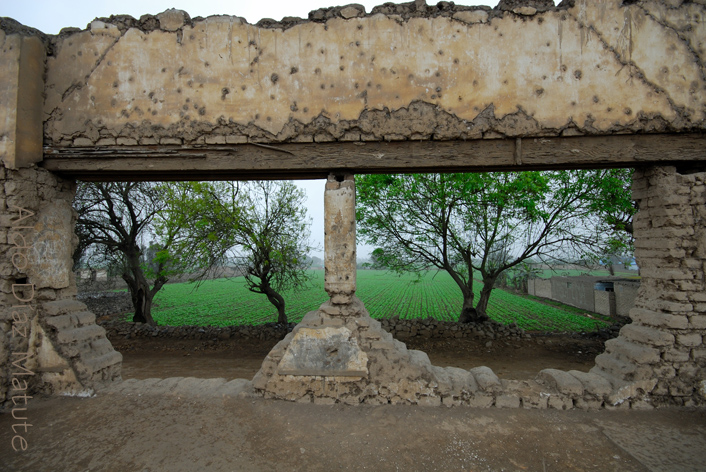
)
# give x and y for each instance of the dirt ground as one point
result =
(152, 433)
(157, 357)
(147, 433)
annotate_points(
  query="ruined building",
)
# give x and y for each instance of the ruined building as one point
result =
(409, 87)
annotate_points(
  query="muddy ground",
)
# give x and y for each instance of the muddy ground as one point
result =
(158, 357)
(148, 433)
(153, 433)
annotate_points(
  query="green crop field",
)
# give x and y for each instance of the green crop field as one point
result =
(226, 302)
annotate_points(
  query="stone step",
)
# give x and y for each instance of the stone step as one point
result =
(91, 364)
(647, 335)
(62, 307)
(83, 318)
(60, 322)
(101, 346)
(593, 383)
(614, 366)
(632, 352)
(84, 333)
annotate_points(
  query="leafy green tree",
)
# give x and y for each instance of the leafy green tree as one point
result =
(483, 222)
(614, 209)
(261, 226)
(113, 217)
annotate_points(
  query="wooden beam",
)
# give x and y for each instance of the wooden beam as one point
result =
(316, 160)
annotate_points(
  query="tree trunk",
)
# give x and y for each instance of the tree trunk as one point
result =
(468, 313)
(139, 291)
(482, 306)
(278, 301)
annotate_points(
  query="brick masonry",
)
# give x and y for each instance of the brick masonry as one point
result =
(43, 329)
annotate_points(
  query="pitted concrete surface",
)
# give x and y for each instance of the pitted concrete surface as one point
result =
(186, 432)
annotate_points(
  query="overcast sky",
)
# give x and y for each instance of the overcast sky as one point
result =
(50, 16)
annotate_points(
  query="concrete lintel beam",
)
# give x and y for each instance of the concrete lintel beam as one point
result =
(22, 63)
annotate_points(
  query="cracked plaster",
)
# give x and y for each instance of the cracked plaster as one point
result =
(589, 68)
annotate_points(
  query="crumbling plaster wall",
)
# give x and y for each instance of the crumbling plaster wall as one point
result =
(49, 342)
(401, 72)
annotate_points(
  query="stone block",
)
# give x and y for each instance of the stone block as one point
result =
(172, 19)
(79, 334)
(486, 379)
(481, 401)
(353, 11)
(698, 354)
(63, 306)
(637, 353)
(690, 339)
(324, 351)
(628, 390)
(560, 402)
(676, 355)
(588, 404)
(657, 319)
(429, 401)
(647, 335)
(562, 381)
(593, 383)
(470, 17)
(507, 401)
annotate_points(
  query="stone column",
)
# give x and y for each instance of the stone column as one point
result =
(662, 352)
(339, 238)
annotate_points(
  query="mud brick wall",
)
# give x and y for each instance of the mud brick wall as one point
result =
(50, 337)
(400, 72)
(665, 342)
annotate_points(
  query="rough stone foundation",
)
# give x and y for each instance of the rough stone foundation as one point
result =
(47, 338)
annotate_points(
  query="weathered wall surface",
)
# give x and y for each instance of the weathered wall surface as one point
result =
(663, 348)
(22, 61)
(404, 72)
(49, 342)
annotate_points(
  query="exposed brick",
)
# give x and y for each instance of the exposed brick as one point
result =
(637, 353)
(690, 339)
(647, 335)
(507, 401)
(653, 318)
(676, 355)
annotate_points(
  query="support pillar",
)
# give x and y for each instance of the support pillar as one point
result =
(338, 353)
(339, 238)
(661, 354)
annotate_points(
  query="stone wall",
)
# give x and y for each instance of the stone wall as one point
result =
(575, 291)
(49, 342)
(663, 350)
(625, 295)
(583, 67)
(604, 302)
(580, 292)
(540, 287)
